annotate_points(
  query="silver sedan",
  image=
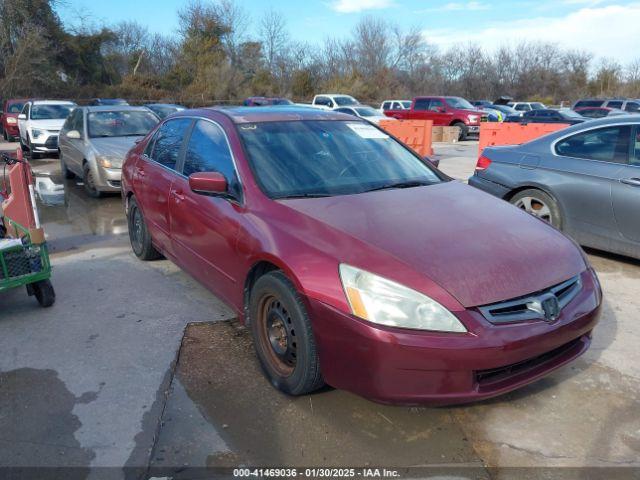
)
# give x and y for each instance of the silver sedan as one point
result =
(95, 140)
(584, 180)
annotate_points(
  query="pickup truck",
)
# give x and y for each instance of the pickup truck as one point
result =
(444, 111)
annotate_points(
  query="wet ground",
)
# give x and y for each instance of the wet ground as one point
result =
(136, 365)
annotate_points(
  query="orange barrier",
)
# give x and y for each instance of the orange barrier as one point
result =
(508, 133)
(416, 134)
(19, 207)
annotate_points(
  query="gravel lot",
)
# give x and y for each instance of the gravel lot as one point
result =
(138, 365)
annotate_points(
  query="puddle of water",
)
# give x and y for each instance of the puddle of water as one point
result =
(262, 426)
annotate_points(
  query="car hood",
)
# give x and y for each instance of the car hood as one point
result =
(55, 125)
(478, 248)
(114, 147)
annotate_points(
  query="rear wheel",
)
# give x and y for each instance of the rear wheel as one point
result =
(66, 173)
(539, 204)
(464, 131)
(139, 234)
(282, 335)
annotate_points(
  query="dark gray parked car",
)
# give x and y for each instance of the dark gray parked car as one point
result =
(585, 180)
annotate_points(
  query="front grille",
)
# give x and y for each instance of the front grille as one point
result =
(493, 375)
(532, 307)
(52, 142)
(114, 183)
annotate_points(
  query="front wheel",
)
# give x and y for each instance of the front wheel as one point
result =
(282, 335)
(139, 234)
(539, 204)
(90, 183)
(43, 291)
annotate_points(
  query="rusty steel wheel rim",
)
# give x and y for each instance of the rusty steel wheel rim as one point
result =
(277, 335)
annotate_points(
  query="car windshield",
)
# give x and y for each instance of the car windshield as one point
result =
(15, 107)
(327, 158)
(164, 110)
(367, 112)
(570, 113)
(457, 102)
(538, 106)
(406, 104)
(50, 111)
(282, 101)
(120, 123)
(345, 100)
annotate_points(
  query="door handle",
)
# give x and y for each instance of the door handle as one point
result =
(177, 195)
(634, 182)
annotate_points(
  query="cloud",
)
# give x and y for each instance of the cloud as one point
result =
(354, 6)
(607, 31)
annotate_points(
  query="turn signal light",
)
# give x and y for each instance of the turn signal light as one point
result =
(483, 163)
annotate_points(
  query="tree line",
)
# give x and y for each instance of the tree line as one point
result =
(214, 58)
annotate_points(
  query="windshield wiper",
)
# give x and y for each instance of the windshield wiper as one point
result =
(406, 184)
(303, 195)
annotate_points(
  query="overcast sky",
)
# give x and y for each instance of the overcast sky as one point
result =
(606, 28)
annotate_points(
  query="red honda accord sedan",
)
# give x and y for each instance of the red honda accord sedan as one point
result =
(354, 261)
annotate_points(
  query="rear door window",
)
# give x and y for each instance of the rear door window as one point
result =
(614, 104)
(635, 159)
(422, 104)
(168, 142)
(610, 144)
(387, 106)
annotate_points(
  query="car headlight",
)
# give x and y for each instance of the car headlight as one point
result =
(109, 162)
(12, 120)
(35, 133)
(473, 118)
(378, 300)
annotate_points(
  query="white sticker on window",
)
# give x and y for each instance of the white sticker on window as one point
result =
(367, 131)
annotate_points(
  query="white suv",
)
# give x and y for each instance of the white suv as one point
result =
(330, 101)
(40, 122)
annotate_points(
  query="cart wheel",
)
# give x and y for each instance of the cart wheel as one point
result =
(43, 290)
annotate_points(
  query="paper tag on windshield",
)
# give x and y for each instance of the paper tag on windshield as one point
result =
(367, 131)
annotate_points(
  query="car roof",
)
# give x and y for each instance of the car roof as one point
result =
(52, 102)
(115, 108)
(276, 113)
(163, 105)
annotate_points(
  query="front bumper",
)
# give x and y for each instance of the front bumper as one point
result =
(108, 179)
(473, 129)
(391, 365)
(11, 128)
(47, 143)
(488, 186)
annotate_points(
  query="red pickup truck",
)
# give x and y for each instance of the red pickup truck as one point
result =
(444, 111)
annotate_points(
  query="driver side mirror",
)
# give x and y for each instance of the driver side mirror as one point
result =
(22, 116)
(74, 135)
(442, 110)
(208, 183)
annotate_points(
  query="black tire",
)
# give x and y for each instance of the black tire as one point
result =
(464, 131)
(32, 154)
(282, 335)
(66, 173)
(23, 147)
(5, 136)
(44, 293)
(89, 183)
(139, 236)
(540, 204)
